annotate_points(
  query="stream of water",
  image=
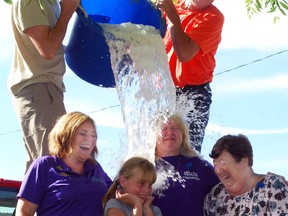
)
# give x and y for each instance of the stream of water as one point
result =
(145, 88)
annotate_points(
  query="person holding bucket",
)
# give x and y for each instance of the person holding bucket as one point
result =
(192, 38)
(36, 76)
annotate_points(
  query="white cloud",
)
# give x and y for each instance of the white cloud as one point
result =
(6, 36)
(278, 82)
(105, 115)
(220, 130)
(259, 32)
(109, 118)
(5, 21)
(275, 165)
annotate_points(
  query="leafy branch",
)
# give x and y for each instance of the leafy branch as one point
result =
(9, 2)
(269, 6)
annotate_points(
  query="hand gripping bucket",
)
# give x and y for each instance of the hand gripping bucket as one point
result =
(87, 53)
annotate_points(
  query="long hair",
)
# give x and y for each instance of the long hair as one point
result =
(140, 167)
(60, 137)
(185, 148)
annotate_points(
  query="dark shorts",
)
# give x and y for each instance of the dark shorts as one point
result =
(195, 102)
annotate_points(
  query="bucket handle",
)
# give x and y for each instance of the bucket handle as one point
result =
(83, 10)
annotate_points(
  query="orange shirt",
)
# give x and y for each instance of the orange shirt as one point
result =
(204, 27)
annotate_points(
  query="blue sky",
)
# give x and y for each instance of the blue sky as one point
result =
(252, 99)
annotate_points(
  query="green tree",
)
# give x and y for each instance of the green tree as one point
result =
(269, 6)
(8, 1)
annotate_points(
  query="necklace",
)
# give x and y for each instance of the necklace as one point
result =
(248, 183)
(244, 199)
(176, 171)
(245, 187)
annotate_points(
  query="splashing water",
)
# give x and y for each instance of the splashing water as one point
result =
(165, 171)
(145, 88)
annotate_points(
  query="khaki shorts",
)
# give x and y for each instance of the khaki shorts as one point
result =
(38, 106)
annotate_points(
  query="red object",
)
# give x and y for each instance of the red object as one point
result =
(10, 183)
(8, 196)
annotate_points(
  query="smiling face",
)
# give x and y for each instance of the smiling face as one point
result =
(83, 142)
(231, 173)
(169, 140)
(136, 185)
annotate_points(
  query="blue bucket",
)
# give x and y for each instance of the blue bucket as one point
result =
(87, 53)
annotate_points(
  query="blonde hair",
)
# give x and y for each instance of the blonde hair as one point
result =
(140, 167)
(185, 147)
(60, 137)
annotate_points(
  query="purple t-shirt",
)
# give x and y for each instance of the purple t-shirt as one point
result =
(184, 187)
(57, 190)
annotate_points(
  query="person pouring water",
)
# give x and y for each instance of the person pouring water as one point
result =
(37, 72)
(192, 38)
(183, 177)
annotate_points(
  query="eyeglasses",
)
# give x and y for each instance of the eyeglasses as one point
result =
(166, 129)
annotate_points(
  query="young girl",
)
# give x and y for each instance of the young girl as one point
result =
(130, 193)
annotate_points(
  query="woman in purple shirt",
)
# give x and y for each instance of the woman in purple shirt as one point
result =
(70, 181)
(183, 177)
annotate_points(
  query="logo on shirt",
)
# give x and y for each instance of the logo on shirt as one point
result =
(191, 175)
(61, 171)
(95, 179)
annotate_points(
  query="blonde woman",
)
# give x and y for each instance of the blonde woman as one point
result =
(186, 177)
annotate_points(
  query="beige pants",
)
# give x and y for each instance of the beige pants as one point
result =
(38, 106)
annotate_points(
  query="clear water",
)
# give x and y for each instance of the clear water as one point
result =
(166, 171)
(145, 88)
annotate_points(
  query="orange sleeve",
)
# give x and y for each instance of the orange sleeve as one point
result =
(206, 30)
